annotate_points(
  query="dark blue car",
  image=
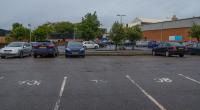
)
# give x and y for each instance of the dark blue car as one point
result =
(74, 48)
(46, 48)
(152, 44)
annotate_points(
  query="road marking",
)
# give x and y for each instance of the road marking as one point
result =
(163, 80)
(146, 94)
(29, 82)
(2, 77)
(189, 78)
(99, 81)
(60, 94)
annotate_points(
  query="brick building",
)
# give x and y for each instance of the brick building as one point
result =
(161, 31)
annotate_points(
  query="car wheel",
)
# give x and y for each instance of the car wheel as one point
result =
(21, 55)
(153, 53)
(35, 56)
(54, 55)
(191, 53)
(3, 57)
(181, 55)
(167, 54)
(96, 47)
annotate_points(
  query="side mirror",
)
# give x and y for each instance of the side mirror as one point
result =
(24, 46)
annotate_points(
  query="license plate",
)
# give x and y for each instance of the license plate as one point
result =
(74, 53)
(180, 48)
(42, 47)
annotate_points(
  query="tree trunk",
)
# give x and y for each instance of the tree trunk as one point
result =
(116, 47)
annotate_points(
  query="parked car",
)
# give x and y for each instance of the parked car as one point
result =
(74, 48)
(16, 49)
(168, 49)
(194, 49)
(152, 44)
(90, 45)
(45, 48)
(142, 43)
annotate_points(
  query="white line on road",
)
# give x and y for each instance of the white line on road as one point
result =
(145, 93)
(60, 94)
(189, 78)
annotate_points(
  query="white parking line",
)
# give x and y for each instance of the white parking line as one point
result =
(146, 94)
(189, 78)
(60, 94)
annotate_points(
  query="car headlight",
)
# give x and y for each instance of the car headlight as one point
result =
(82, 49)
(68, 49)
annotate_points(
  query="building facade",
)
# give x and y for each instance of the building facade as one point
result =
(162, 31)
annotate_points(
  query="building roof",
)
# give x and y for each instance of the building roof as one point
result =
(148, 20)
(140, 21)
(180, 23)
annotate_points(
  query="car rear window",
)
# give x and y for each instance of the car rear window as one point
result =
(174, 44)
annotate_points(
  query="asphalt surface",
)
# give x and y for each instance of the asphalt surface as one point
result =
(100, 83)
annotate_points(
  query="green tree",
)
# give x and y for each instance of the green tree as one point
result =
(42, 32)
(63, 28)
(117, 34)
(133, 33)
(89, 26)
(19, 32)
(195, 31)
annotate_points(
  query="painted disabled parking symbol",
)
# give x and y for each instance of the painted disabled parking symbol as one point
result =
(30, 82)
(163, 80)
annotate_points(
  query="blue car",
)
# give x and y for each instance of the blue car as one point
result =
(152, 44)
(46, 48)
(74, 48)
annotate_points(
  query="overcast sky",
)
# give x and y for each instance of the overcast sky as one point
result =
(37, 12)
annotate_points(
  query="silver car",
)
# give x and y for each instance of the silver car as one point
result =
(16, 49)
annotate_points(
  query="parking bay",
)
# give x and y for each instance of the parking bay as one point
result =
(99, 83)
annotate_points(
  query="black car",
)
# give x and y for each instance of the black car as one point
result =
(194, 49)
(168, 49)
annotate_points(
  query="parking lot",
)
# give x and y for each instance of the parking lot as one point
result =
(100, 83)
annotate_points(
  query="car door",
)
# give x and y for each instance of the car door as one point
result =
(159, 48)
(90, 44)
(198, 49)
(29, 49)
(25, 50)
(87, 44)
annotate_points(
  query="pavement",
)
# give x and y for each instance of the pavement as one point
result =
(110, 51)
(100, 83)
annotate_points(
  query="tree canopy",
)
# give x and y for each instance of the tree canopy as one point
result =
(89, 27)
(195, 31)
(117, 33)
(19, 32)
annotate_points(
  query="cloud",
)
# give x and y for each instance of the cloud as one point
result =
(37, 12)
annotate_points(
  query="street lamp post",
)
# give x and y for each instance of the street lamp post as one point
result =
(120, 15)
(29, 25)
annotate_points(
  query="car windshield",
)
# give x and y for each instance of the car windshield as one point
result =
(15, 44)
(174, 44)
(74, 44)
